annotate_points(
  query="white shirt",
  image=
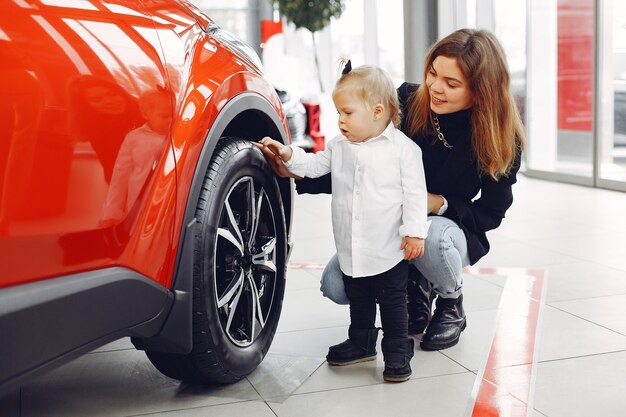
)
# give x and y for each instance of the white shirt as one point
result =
(378, 197)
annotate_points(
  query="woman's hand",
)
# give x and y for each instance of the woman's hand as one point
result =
(276, 162)
(435, 201)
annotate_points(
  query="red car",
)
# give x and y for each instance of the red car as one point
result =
(132, 201)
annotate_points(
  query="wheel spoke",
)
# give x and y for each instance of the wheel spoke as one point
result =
(226, 234)
(233, 224)
(265, 259)
(257, 311)
(256, 210)
(233, 288)
(253, 213)
(232, 308)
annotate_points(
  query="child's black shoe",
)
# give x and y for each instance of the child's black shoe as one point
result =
(359, 347)
(398, 354)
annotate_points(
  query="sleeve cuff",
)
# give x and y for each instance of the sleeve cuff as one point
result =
(420, 231)
(444, 207)
(297, 163)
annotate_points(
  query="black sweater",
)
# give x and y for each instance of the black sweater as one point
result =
(454, 174)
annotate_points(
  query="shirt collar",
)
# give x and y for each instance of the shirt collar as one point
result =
(386, 134)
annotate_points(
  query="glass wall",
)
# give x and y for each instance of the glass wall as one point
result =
(510, 28)
(559, 93)
(576, 91)
(391, 38)
(612, 93)
(368, 32)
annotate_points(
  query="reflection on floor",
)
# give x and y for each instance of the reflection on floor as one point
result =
(575, 236)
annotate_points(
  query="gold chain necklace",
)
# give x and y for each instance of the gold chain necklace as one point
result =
(440, 135)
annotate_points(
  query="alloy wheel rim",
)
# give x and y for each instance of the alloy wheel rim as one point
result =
(245, 270)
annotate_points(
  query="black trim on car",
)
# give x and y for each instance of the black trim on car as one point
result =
(46, 323)
(176, 334)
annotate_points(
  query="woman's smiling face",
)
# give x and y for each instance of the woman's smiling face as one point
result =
(448, 88)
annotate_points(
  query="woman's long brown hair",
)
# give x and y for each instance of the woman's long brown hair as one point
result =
(497, 129)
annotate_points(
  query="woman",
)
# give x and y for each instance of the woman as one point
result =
(465, 120)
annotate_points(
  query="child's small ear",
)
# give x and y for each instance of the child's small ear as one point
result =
(379, 111)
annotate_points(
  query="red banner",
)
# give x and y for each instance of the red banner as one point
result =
(575, 65)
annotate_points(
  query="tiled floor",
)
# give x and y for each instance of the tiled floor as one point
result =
(576, 235)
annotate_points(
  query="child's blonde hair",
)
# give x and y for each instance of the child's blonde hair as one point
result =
(373, 85)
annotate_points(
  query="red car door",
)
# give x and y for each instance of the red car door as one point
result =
(84, 141)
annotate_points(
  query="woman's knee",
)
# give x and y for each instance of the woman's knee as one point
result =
(331, 284)
(445, 238)
(445, 255)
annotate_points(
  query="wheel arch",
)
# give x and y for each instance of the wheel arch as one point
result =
(251, 117)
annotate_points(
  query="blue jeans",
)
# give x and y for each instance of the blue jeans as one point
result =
(445, 255)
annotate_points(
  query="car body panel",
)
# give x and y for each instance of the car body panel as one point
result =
(75, 237)
(76, 97)
(109, 116)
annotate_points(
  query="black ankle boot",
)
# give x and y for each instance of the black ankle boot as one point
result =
(420, 296)
(398, 354)
(360, 347)
(444, 329)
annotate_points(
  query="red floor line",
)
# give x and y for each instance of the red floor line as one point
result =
(505, 383)
(306, 266)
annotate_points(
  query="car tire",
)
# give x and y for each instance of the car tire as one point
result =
(239, 268)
